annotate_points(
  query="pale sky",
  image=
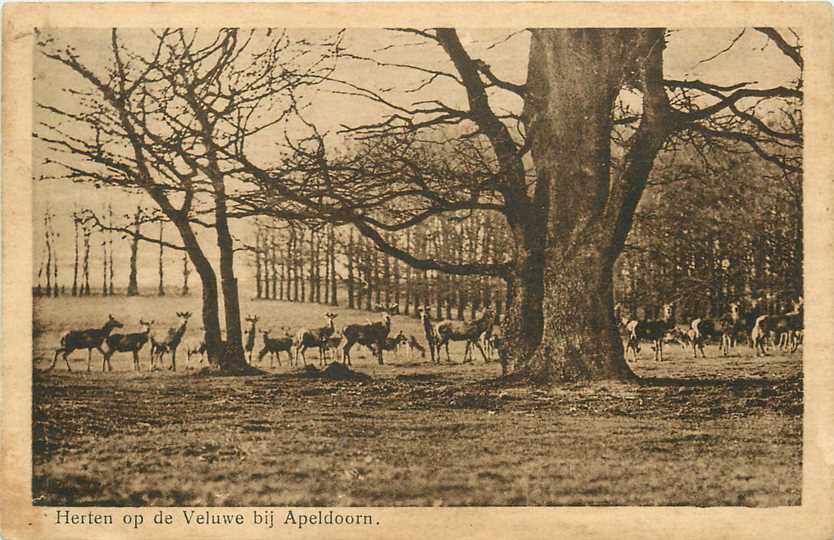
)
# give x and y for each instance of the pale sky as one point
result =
(752, 58)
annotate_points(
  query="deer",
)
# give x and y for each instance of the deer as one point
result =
(793, 327)
(89, 339)
(275, 346)
(428, 330)
(413, 345)
(758, 335)
(195, 347)
(314, 337)
(331, 344)
(392, 343)
(652, 330)
(249, 346)
(371, 335)
(171, 342)
(470, 332)
(726, 328)
(131, 343)
(489, 341)
(391, 309)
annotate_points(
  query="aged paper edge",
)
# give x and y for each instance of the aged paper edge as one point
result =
(813, 519)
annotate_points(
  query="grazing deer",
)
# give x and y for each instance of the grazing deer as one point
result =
(413, 345)
(249, 346)
(275, 346)
(314, 337)
(428, 330)
(470, 332)
(131, 343)
(653, 330)
(89, 339)
(171, 342)
(371, 335)
(392, 344)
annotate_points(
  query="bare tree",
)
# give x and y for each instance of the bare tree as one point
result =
(165, 122)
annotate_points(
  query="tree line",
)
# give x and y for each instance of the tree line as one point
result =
(336, 264)
(91, 230)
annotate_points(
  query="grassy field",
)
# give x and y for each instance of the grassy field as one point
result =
(720, 431)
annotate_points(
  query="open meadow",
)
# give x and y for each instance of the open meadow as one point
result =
(719, 431)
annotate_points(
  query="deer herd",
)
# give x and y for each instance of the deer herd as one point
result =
(761, 328)
(781, 328)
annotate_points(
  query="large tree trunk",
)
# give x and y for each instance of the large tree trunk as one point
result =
(208, 280)
(233, 359)
(522, 323)
(574, 77)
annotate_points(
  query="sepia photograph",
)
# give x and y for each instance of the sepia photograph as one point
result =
(391, 267)
(314, 270)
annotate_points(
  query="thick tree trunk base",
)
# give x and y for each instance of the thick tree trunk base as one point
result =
(579, 340)
(227, 367)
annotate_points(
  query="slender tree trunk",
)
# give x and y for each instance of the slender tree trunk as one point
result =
(87, 231)
(110, 246)
(334, 282)
(273, 264)
(161, 289)
(104, 288)
(349, 255)
(185, 273)
(133, 285)
(313, 260)
(54, 242)
(259, 253)
(408, 283)
(292, 268)
(299, 253)
(375, 274)
(48, 240)
(75, 262)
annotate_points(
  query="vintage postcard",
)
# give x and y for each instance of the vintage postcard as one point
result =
(373, 270)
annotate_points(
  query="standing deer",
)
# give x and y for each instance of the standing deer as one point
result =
(249, 347)
(89, 339)
(331, 345)
(371, 335)
(131, 343)
(470, 332)
(725, 328)
(275, 346)
(314, 337)
(758, 335)
(195, 347)
(413, 345)
(171, 342)
(428, 329)
(653, 331)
